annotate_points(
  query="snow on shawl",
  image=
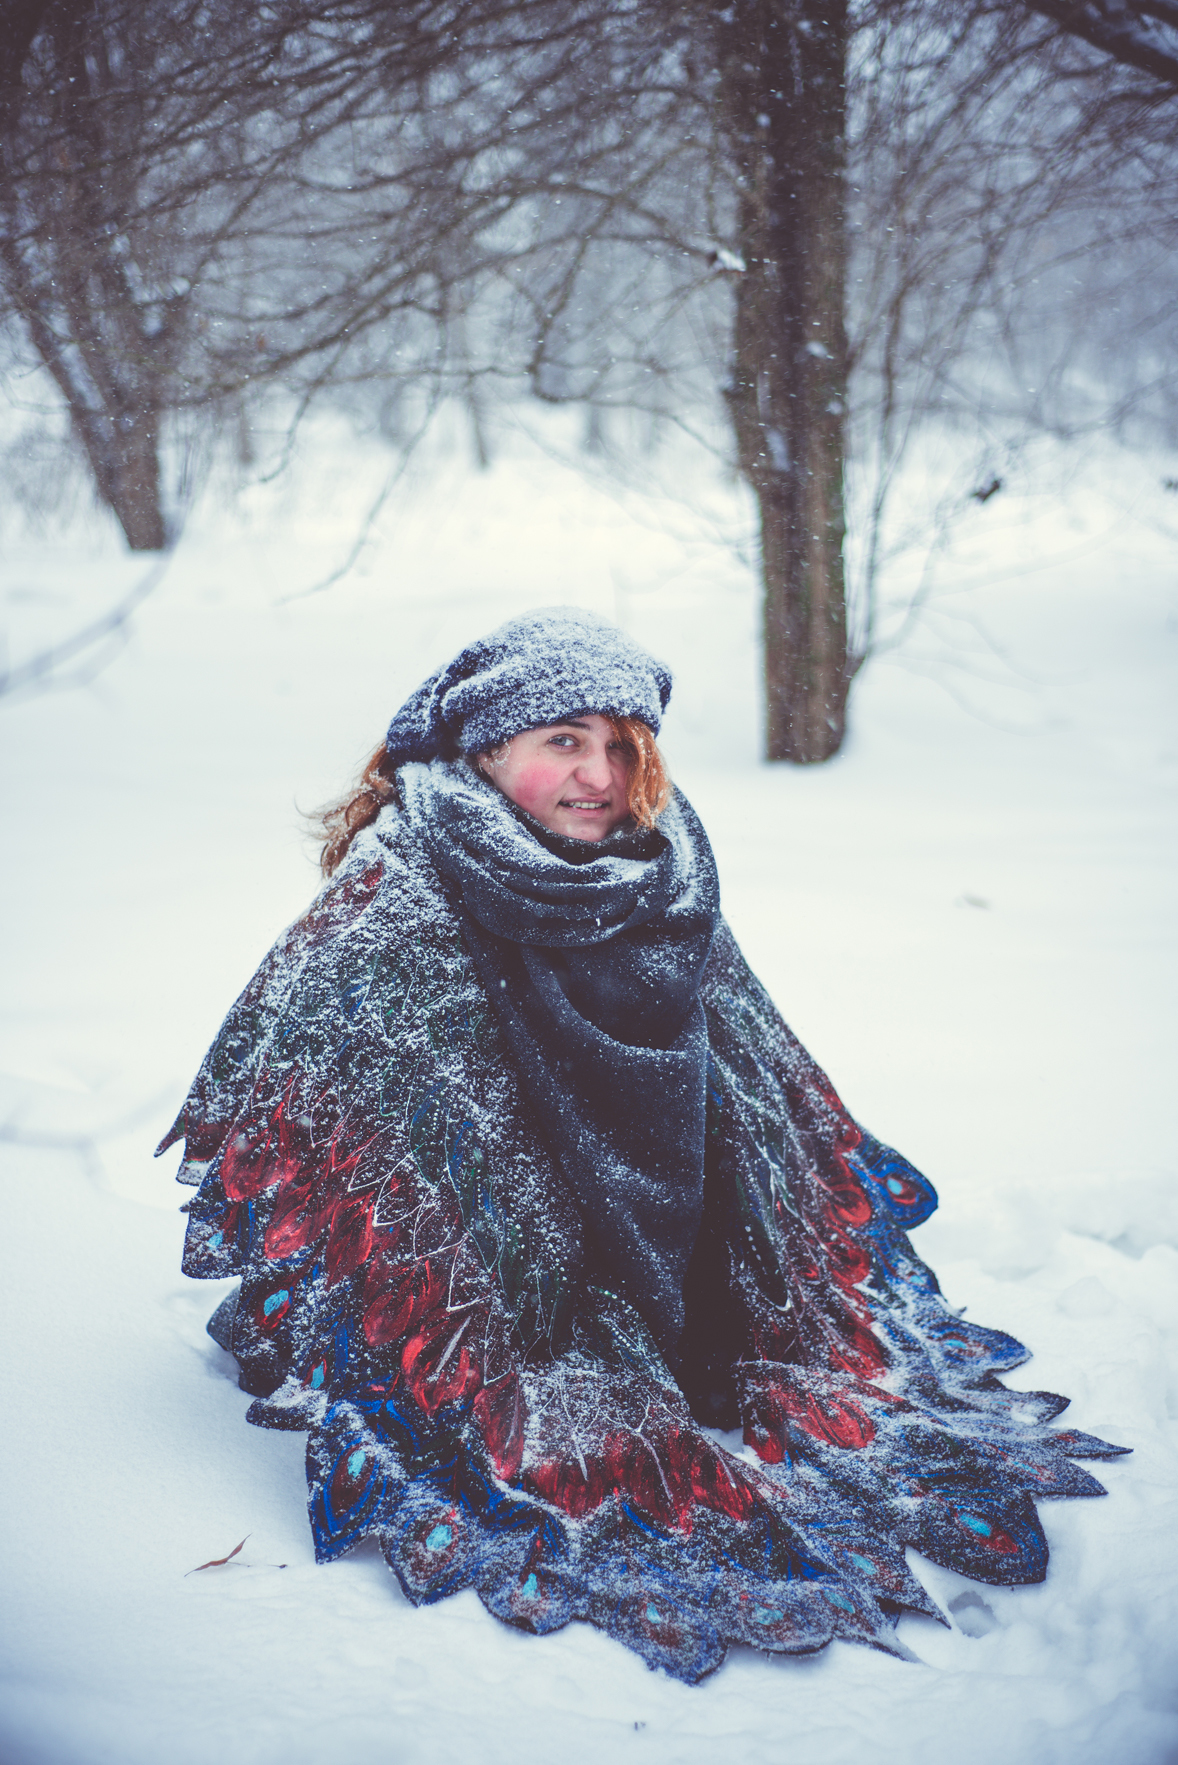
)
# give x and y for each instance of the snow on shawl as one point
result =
(421, 1274)
(592, 956)
(415, 1293)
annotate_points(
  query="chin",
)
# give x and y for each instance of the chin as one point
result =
(585, 833)
(574, 829)
(580, 827)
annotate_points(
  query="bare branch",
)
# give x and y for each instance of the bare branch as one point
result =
(42, 672)
(1139, 33)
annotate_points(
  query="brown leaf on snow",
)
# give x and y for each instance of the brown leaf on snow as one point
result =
(216, 1562)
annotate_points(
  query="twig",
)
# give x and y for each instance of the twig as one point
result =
(390, 484)
(227, 1562)
(217, 1562)
(85, 1146)
(37, 673)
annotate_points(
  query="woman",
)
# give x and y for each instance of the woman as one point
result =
(530, 1188)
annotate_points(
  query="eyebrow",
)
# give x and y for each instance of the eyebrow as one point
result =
(569, 723)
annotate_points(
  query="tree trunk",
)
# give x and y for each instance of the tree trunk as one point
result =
(122, 448)
(65, 264)
(135, 497)
(783, 70)
(124, 457)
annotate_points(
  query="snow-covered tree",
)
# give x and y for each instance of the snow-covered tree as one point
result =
(818, 218)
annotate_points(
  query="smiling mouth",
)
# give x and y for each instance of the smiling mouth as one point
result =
(594, 803)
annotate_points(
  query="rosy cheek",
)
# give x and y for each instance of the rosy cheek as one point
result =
(532, 785)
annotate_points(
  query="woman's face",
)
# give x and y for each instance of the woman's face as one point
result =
(571, 776)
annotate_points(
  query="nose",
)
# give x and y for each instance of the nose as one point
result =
(592, 768)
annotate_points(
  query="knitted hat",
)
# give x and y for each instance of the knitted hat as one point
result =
(554, 663)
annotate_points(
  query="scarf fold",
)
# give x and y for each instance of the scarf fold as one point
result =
(592, 954)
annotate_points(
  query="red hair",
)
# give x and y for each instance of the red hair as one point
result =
(339, 823)
(648, 791)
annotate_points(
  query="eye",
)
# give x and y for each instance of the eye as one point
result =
(561, 741)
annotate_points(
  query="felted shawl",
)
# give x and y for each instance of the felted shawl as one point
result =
(420, 1294)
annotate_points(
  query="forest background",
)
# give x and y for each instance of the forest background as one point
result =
(832, 350)
(806, 235)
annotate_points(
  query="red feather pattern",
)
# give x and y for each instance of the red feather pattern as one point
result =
(414, 1295)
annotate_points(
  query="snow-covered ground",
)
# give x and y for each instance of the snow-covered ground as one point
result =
(968, 918)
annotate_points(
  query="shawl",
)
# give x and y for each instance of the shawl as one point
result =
(592, 955)
(417, 1294)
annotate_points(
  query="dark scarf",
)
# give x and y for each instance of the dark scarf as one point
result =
(592, 954)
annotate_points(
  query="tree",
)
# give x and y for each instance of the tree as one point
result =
(783, 109)
(819, 218)
(114, 346)
(1141, 34)
(199, 197)
(166, 205)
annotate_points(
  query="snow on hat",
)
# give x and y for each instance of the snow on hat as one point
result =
(554, 663)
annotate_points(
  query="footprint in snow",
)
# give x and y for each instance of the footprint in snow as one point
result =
(973, 1616)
